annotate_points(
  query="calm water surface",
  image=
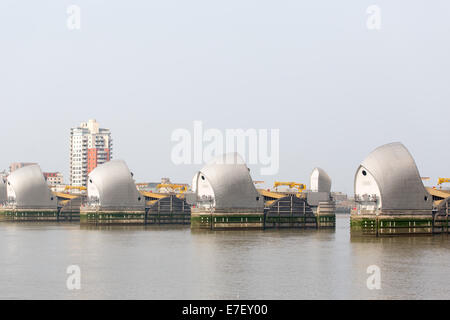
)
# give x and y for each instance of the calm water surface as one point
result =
(177, 263)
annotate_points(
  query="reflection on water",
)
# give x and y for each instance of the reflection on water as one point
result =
(167, 262)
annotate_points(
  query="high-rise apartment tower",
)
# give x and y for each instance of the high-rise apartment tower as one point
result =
(90, 146)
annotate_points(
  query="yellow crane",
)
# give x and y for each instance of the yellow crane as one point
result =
(443, 180)
(180, 187)
(299, 186)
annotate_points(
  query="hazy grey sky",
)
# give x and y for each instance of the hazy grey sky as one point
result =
(335, 89)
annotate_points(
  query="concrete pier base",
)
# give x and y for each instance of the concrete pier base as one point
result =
(326, 215)
(110, 217)
(227, 219)
(169, 210)
(174, 218)
(295, 222)
(396, 225)
(29, 215)
(326, 221)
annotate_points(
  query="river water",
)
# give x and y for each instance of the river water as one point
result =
(177, 263)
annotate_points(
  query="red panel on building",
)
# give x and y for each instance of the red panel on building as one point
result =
(92, 156)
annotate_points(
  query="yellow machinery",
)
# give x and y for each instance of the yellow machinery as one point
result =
(154, 197)
(438, 195)
(299, 186)
(67, 188)
(270, 197)
(443, 180)
(180, 187)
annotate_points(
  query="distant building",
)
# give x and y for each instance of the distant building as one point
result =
(54, 178)
(343, 203)
(339, 196)
(165, 186)
(17, 165)
(148, 186)
(90, 146)
(165, 180)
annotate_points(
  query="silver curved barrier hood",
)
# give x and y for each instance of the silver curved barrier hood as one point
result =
(227, 180)
(27, 188)
(320, 181)
(391, 172)
(113, 186)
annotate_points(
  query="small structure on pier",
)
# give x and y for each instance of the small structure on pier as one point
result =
(224, 195)
(165, 208)
(69, 206)
(441, 211)
(320, 181)
(438, 195)
(303, 209)
(390, 195)
(288, 211)
(320, 199)
(320, 187)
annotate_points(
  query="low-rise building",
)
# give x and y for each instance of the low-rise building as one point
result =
(54, 178)
(17, 165)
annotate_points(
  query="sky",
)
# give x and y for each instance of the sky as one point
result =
(334, 88)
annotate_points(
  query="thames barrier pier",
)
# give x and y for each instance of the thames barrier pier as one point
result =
(391, 198)
(224, 197)
(320, 199)
(28, 197)
(311, 209)
(113, 198)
